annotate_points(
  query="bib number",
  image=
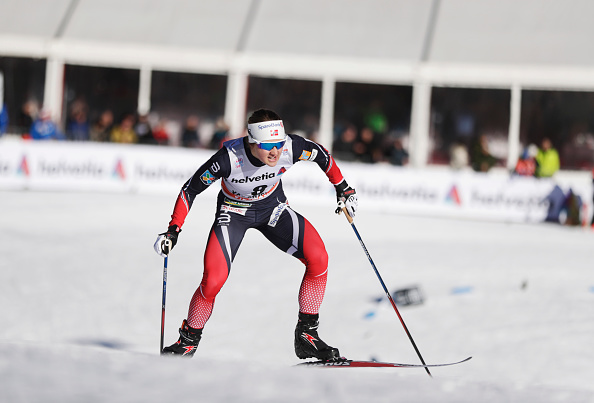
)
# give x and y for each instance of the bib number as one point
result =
(258, 190)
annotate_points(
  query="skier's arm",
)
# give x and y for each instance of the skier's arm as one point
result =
(218, 166)
(307, 150)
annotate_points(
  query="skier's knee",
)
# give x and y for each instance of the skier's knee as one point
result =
(316, 263)
(212, 284)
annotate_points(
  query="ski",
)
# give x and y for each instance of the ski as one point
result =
(344, 363)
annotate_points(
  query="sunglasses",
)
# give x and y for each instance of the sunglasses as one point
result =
(270, 146)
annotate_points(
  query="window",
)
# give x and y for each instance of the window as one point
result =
(372, 122)
(566, 118)
(298, 102)
(184, 99)
(89, 91)
(469, 119)
(24, 81)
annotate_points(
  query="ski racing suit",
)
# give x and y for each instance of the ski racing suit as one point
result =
(252, 196)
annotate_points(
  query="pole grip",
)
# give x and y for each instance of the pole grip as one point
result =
(347, 215)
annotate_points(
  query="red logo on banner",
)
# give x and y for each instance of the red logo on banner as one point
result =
(23, 167)
(119, 172)
(453, 196)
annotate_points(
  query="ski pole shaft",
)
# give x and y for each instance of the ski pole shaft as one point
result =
(350, 220)
(163, 302)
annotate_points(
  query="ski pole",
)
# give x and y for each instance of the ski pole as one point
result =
(350, 220)
(164, 297)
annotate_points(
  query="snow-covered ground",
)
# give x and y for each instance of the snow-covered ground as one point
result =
(81, 308)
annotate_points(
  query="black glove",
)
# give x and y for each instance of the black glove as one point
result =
(346, 197)
(167, 240)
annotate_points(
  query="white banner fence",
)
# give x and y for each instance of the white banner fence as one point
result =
(438, 191)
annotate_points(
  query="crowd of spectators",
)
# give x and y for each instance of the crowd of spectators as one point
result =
(369, 146)
(131, 128)
(540, 162)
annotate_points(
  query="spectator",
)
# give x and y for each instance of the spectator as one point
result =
(43, 128)
(376, 120)
(190, 137)
(343, 147)
(160, 133)
(573, 207)
(396, 154)
(143, 130)
(27, 115)
(366, 148)
(458, 155)
(564, 208)
(526, 165)
(78, 127)
(481, 159)
(220, 135)
(124, 132)
(592, 223)
(547, 159)
(101, 130)
(3, 119)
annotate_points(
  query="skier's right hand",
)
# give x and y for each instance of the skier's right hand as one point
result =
(167, 240)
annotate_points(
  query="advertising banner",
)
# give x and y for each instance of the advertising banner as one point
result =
(439, 191)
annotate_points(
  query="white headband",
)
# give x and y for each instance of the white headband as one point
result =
(266, 131)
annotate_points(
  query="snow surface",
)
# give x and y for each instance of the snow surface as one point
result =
(81, 307)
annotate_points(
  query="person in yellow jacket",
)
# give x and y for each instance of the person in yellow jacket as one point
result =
(547, 160)
(124, 132)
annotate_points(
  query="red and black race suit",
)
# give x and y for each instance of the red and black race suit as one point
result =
(252, 197)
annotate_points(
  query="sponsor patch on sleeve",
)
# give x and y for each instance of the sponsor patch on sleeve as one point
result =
(308, 155)
(207, 178)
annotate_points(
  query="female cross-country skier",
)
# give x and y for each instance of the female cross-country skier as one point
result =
(252, 196)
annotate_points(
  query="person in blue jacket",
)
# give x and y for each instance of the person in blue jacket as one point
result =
(43, 128)
(3, 119)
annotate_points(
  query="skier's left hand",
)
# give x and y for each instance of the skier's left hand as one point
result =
(167, 240)
(346, 197)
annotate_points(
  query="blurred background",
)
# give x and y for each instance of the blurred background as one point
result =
(513, 71)
(480, 85)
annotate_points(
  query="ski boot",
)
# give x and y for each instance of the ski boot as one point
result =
(307, 342)
(187, 343)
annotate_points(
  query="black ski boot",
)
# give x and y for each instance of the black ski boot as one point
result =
(187, 343)
(307, 342)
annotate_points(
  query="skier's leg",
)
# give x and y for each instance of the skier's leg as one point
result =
(315, 258)
(295, 235)
(223, 242)
(216, 270)
(225, 237)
